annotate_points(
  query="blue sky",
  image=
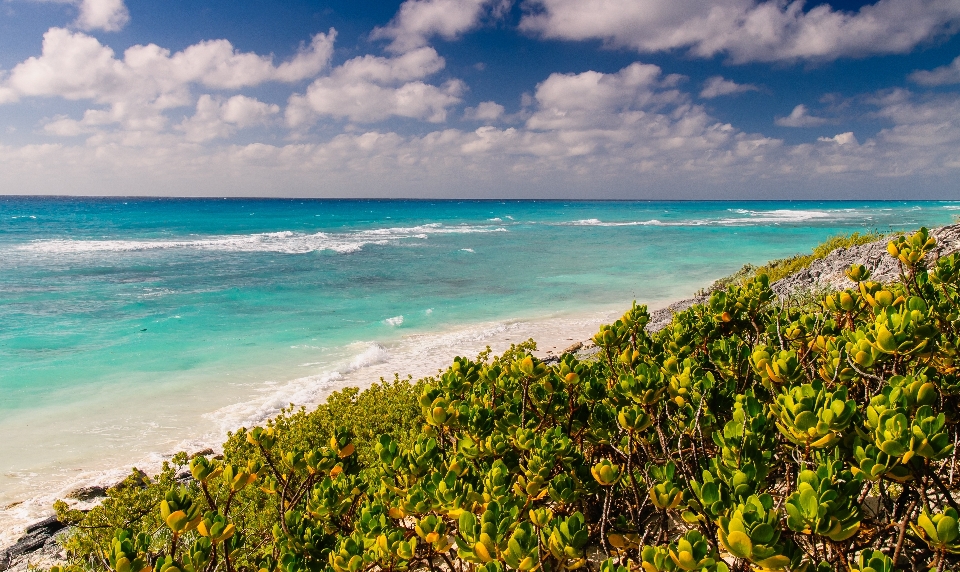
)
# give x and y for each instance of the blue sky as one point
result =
(481, 98)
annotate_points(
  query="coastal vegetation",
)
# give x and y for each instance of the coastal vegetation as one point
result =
(750, 433)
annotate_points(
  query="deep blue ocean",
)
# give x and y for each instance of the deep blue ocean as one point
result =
(131, 327)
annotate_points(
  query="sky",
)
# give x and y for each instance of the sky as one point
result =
(589, 99)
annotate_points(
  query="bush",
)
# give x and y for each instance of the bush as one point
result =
(745, 435)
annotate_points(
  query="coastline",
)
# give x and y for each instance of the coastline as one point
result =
(416, 355)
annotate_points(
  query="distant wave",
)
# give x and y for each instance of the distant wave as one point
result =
(285, 242)
(749, 218)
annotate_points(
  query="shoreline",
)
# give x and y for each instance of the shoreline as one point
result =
(553, 333)
(416, 355)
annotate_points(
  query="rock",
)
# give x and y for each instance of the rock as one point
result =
(829, 272)
(660, 319)
(87, 493)
(37, 536)
(204, 453)
(573, 348)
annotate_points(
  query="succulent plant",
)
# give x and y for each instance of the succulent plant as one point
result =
(129, 552)
(644, 385)
(812, 416)
(215, 527)
(692, 552)
(179, 511)
(930, 439)
(824, 502)
(777, 367)
(940, 531)
(903, 330)
(606, 473)
(657, 559)
(870, 463)
(483, 540)
(351, 555)
(911, 250)
(664, 492)
(874, 561)
(523, 548)
(751, 531)
(198, 555)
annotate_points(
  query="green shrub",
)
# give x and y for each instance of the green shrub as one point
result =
(743, 436)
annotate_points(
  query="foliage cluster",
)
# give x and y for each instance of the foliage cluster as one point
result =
(748, 434)
(783, 267)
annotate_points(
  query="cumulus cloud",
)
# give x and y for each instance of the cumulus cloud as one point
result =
(717, 86)
(148, 78)
(218, 118)
(800, 117)
(846, 138)
(106, 15)
(746, 30)
(371, 88)
(651, 141)
(591, 100)
(419, 20)
(943, 75)
(930, 123)
(484, 111)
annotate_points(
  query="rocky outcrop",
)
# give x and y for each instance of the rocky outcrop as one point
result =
(660, 319)
(36, 549)
(828, 272)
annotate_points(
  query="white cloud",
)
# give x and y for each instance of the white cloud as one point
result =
(931, 123)
(746, 30)
(148, 79)
(216, 118)
(76, 66)
(106, 15)
(369, 88)
(846, 138)
(800, 117)
(484, 111)
(943, 75)
(717, 86)
(664, 146)
(418, 20)
(594, 100)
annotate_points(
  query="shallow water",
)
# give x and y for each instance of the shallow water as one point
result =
(132, 327)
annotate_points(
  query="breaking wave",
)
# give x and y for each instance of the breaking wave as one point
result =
(747, 218)
(285, 242)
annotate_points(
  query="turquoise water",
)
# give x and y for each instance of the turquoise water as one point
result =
(128, 325)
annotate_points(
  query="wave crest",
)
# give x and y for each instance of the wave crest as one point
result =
(284, 242)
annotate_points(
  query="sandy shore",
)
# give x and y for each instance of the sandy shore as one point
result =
(417, 355)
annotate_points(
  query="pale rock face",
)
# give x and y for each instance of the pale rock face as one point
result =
(829, 272)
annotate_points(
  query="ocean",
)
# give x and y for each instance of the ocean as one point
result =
(131, 328)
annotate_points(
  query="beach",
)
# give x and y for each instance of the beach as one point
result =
(416, 355)
(138, 332)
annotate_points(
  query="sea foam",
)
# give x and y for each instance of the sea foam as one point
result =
(283, 242)
(748, 218)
